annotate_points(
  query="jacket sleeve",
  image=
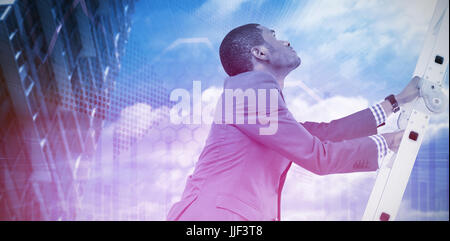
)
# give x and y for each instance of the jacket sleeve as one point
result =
(359, 124)
(296, 143)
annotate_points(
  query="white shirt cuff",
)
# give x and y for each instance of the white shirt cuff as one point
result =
(382, 147)
(378, 113)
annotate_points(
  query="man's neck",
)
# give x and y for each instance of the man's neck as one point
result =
(278, 75)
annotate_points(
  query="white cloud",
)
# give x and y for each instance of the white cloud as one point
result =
(307, 196)
(304, 192)
(304, 215)
(411, 23)
(435, 129)
(350, 68)
(135, 120)
(292, 83)
(151, 210)
(348, 39)
(402, 19)
(166, 179)
(327, 109)
(419, 215)
(406, 212)
(316, 13)
(182, 41)
(220, 7)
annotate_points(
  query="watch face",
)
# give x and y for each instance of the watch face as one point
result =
(392, 100)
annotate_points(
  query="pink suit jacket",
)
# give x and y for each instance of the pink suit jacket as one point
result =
(243, 173)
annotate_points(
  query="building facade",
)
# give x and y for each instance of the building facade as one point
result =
(58, 65)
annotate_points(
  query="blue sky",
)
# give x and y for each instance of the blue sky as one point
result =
(369, 46)
(354, 53)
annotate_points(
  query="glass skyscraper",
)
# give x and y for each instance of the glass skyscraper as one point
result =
(58, 65)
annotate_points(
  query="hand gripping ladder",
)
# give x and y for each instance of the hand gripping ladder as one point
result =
(431, 67)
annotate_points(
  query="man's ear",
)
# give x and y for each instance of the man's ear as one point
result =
(260, 52)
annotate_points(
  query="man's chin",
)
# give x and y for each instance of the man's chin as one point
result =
(298, 62)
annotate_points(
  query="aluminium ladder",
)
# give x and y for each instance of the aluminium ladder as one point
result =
(431, 67)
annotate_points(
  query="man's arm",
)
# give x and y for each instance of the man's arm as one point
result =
(365, 122)
(359, 124)
(294, 142)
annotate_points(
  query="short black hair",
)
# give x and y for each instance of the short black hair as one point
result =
(235, 49)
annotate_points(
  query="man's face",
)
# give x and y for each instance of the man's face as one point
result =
(281, 54)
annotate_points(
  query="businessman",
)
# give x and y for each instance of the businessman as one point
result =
(240, 173)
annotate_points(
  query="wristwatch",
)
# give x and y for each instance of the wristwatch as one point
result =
(393, 102)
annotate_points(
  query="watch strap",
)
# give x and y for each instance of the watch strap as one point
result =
(394, 103)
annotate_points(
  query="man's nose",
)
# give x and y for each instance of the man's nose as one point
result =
(286, 43)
